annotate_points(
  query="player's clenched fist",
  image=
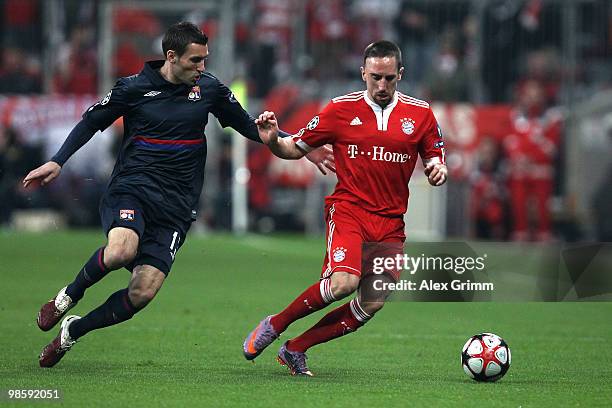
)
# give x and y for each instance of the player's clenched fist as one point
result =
(436, 174)
(45, 173)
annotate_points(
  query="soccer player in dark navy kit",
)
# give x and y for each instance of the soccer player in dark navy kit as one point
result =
(153, 193)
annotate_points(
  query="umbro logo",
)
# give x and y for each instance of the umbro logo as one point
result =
(356, 122)
(152, 93)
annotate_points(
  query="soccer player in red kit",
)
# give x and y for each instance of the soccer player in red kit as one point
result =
(376, 136)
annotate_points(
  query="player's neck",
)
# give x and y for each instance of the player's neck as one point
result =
(383, 106)
(166, 73)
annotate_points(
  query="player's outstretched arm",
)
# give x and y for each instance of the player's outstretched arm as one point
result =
(436, 173)
(45, 174)
(285, 148)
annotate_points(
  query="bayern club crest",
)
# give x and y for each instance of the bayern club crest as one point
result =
(407, 125)
(194, 94)
(339, 254)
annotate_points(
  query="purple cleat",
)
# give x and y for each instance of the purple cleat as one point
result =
(294, 360)
(260, 338)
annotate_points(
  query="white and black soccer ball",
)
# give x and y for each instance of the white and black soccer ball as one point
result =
(486, 357)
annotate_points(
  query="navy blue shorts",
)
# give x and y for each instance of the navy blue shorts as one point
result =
(158, 242)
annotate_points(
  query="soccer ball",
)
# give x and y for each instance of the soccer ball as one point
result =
(485, 357)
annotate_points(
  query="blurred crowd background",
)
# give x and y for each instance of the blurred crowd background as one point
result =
(522, 90)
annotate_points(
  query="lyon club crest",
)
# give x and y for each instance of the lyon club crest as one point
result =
(194, 94)
(127, 215)
(339, 254)
(407, 125)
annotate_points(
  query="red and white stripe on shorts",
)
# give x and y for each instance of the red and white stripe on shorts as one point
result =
(332, 265)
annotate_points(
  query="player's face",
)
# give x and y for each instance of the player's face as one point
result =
(381, 75)
(188, 68)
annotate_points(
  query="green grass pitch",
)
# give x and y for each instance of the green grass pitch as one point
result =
(185, 348)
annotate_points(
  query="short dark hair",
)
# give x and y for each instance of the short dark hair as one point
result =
(180, 35)
(383, 48)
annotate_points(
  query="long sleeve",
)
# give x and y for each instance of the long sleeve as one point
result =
(81, 134)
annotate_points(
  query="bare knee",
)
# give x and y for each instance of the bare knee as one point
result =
(343, 284)
(121, 248)
(144, 285)
(116, 257)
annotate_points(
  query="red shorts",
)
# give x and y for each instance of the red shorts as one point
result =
(348, 227)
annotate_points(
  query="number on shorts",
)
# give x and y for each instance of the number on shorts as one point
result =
(176, 239)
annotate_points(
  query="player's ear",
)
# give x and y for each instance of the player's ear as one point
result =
(363, 73)
(171, 56)
(401, 72)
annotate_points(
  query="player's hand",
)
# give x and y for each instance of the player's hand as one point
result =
(267, 127)
(45, 174)
(436, 174)
(323, 158)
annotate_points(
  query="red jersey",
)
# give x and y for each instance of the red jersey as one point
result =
(375, 149)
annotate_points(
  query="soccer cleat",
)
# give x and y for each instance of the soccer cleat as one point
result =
(260, 338)
(294, 360)
(54, 351)
(51, 312)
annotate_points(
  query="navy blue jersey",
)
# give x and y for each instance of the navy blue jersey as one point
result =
(163, 152)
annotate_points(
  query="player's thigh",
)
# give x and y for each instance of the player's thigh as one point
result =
(344, 241)
(123, 221)
(146, 281)
(122, 241)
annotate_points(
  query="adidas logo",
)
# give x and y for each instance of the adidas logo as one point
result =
(356, 122)
(152, 93)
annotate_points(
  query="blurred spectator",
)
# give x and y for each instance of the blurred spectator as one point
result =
(510, 29)
(223, 197)
(412, 26)
(136, 20)
(19, 73)
(328, 34)
(135, 29)
(259, 187)
(270, 53)
(544, 66)
(76, 65)
(367, 26)
(16, 159)
(447, 79)
(531, 150)
(500, 47)
(418, 26)
(602, 197)
(21, 27)
(488, 193)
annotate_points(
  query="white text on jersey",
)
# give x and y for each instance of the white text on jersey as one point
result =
(378, 154)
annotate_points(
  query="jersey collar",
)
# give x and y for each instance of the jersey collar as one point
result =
(151, 71)
(382, 115)
(376, 107)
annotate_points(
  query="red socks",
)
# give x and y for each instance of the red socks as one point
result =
(340, 321)
(312, 299)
